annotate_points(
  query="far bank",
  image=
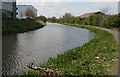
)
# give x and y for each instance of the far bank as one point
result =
(20, 26)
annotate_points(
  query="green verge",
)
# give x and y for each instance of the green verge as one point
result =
(93, 58)
(19, 26)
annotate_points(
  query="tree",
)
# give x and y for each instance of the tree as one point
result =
(96, 19)
(42, 18)
(67, 15)
(54, 19)
(30, 13)
(90, 20)
(113, 21)
(21, 14)
(85, 22)
(105, 11)
(67, 18)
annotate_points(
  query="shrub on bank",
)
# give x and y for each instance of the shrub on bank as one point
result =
(113, 21)
(42, 18)
(110, 21)
(18, 26)
(100, 20)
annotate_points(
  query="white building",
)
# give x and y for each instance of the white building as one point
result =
(26, 11)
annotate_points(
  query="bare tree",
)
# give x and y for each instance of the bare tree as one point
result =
(105, 11)
(67, 15)
(21, 14)
(30, 13)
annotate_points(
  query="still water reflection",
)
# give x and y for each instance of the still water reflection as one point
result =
(18, 50)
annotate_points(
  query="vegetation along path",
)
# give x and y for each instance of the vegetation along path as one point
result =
(96, 57)
(115, 69)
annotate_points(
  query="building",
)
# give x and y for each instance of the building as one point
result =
(8, 10)
(86, 15)
(26, 11)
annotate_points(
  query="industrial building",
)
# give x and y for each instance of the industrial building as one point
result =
(26, 11)
(8, 10)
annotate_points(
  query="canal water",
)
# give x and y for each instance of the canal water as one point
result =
(38, 45)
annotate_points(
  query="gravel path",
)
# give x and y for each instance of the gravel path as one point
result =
(115, 33)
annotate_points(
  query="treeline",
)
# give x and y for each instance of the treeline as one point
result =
(42, 18)
(108, 21)
(67, 18)
(102, 20)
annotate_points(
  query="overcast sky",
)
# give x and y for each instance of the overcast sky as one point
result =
(76, 7)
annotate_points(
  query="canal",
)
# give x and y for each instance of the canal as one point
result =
(38, 45)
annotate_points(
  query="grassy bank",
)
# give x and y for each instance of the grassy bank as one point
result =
(94, 58)
(19, 26)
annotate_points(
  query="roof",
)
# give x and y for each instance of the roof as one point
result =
(28, 5)
(86, 15)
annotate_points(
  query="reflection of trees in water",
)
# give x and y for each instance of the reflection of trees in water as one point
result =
(8, 53)
(20, 49)
(8, 43)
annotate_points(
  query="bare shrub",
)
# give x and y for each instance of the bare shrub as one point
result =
(30, 13)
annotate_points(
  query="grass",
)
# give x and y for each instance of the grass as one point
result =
(94, 58)
(19, 26)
